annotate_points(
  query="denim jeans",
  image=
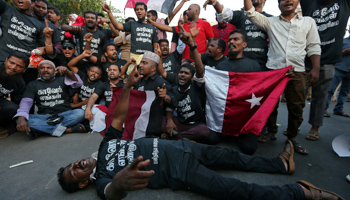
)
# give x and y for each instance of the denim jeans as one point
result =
(344, 78)
(71, 118)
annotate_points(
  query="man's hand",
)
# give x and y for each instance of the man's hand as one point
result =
(39, 51)
(48, 32)
(88, 37)
(186, 38)
(162, 91)
(209, 2)
(105, 7)
(22, 125)
(170, 126)
(193, 29)
(346, 51)
(149, 20)
(313, 77)
(76, 28)
(133, 77)
(87, 53)
(61, 70)
(290, 72)
(75, 98)
(132, 61)
(181, 23)
(158, 51)
(88, 114)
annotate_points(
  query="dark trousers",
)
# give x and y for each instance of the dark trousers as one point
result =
(205, 181)
(8, 109)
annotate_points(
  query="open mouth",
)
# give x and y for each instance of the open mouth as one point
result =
(20, 3)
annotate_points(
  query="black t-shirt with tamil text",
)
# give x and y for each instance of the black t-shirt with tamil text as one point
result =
(20, 32)
(143, 36)
(87, 89)
(331, 21)
(50, 97)
(14, 86)
(207, 60)
(104, 67)
(104, 90)
(171, 63)
(239, 65)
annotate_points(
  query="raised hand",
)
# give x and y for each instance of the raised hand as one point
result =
(133, 77)
(162, 91)
(87, 53)
(193, 29)
(48, 32)
(88, 37)
(61, 70)
(209, 2)
(187, 38)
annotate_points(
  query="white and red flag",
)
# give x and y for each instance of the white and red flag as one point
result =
(138, 117)
(163, 6)
(242, 102)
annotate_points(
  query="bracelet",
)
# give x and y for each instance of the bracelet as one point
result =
(48, 44)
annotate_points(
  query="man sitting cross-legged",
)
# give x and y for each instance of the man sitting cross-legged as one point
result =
(176, 165)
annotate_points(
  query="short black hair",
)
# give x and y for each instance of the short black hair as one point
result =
(185, 13)
(221, 44)
(186, 60)
(242, 32)
(69, 186)
(45, 1)
(104, 48)
(190, 67)
(140, 4)
(100, 14)
(129, 18)
(163, 40)
(153, 12)
(24, 57)
(90, 11)
(58, 12)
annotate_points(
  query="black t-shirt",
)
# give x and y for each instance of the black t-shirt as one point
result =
(50, 97)
(190, 104)
(207, 60)
(107, 32)
(331, 21)
(104, 67)
(97, 43)
(14, 86)
(20, 32)
(257, 44)
(87, 89)
(239, 65)
(105, 90)
(166, 156)
(171, 62)
(56, 37)
(143, 36)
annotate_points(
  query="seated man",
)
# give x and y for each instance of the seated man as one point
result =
(51, 95)
(11, 83)
(177, 165)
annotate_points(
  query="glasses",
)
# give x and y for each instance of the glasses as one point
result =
(69, 48)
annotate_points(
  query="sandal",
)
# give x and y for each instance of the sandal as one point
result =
(299, 149)
(326, 114)
(266, 137)
(287, 154)
(4, 135)
(313, 135)
(342, 114)
(317, 193)
(79, 128)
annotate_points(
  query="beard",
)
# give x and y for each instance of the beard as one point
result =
(140, 20)
(232, 54)
(185, 86)
(47, 78)
(4, 75)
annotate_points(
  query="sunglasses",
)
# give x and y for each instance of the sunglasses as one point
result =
(69, 48)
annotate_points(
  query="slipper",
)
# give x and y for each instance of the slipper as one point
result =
(266, 137)
(313, 135)
(4, 135)
(317, 193)
(342, 114)
(326, 114)
(287, 154)
(79, 128)
(299, 149)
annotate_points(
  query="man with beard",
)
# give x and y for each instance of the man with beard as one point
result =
(99, 39)
(171, 61)
(222, 31)
(331, 17)
(204, 30)
(257, 40)
(144, 36)
(39, 12)
(91, 79)
(51, 96)
(110, 33)
(111, 54)
(215, 55)
(16, 38)
(11, 83)
(292, 38)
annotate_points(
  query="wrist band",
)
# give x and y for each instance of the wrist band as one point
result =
(48, 44)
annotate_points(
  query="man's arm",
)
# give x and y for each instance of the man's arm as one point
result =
(256, 18)
(176, 10)
(161, 27)
(217, 6)
(88, 38)
(73, 63)
(91, 101)
(121, 109)
(63, 70)
(314, 73)
(187, 39)
(48, 32)
(114, 22)
(71, 29)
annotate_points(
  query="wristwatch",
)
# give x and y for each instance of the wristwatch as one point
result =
(193, 47)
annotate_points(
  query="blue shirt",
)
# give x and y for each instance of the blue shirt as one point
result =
(344, 65)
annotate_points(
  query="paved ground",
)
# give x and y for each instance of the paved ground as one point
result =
(321, 167)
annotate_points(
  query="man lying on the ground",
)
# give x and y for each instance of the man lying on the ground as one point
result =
(11, 83)
(51, 95)
(168, 163)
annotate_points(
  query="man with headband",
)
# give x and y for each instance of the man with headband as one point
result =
(51, 95)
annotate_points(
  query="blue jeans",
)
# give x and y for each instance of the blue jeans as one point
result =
(71, 118)
(344, 77)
